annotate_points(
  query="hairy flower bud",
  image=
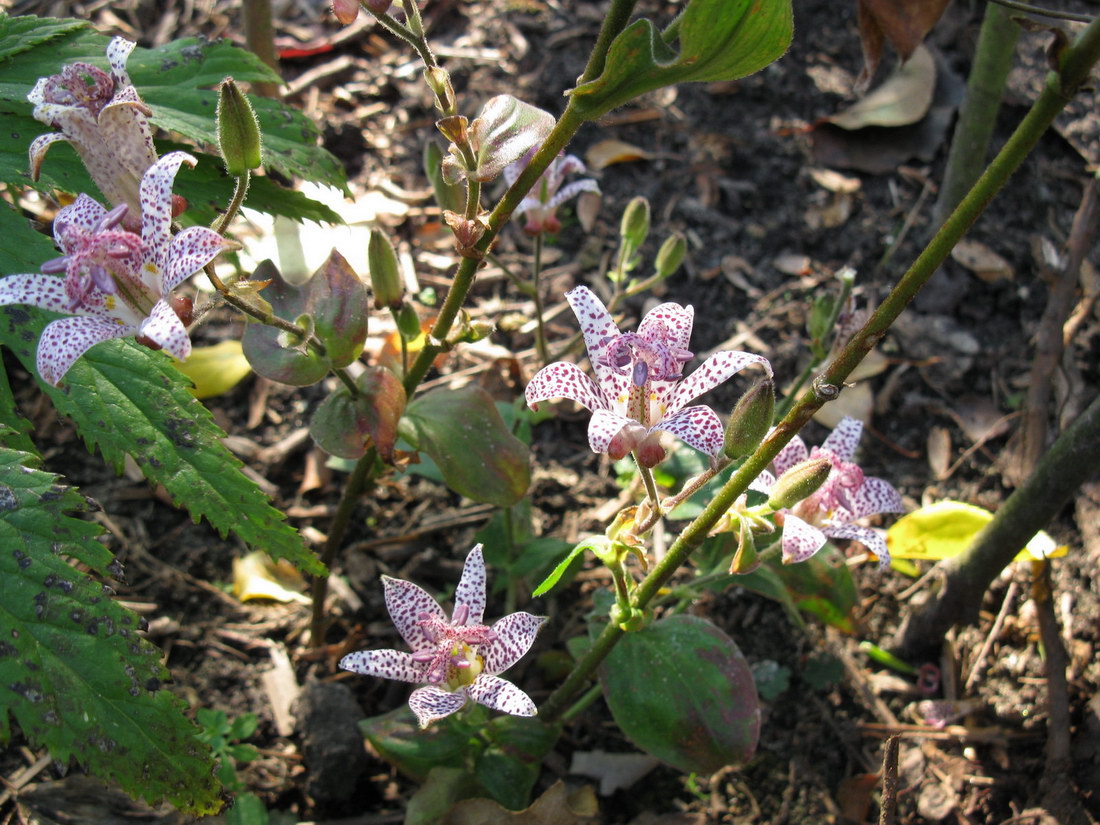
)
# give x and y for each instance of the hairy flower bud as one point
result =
(670, 255)
(385, 274)
(799, 482)
(635, 224)
(750, 420)
(238, 130)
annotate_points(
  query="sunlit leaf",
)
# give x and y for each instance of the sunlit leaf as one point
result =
(215, 369)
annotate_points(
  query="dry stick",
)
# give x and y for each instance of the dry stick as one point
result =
(1057, 92)
(995, 631)
(888, 809)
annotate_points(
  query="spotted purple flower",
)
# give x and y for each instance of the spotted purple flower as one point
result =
(116, 283)
(105, 120)
(540, 207)
(846, 496)
(639, 387)
(455, 660)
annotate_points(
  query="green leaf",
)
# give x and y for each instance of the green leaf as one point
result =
(562, 566)
(248, 809)
(399, 740)
(126, 399)
(442, 789)
(509, 767)
(479, 458)
(719, 40)
(681, 690)
(78, 678)
(14, 428)
(821, 587)
(17, 34)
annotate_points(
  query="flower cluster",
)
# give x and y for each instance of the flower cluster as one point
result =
(640, 388)
(846, 496)
(116, 283)
(458, 659)
(105, 120)
(540, 207)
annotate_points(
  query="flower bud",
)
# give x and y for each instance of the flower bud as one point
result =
(440, 83)
(635, 224)
(385, 274)
(750, 420)
(799, 482)
(238, 130)
(670, 255)
(408, 322)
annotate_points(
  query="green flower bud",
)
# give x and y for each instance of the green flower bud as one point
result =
(385, 274)
(750, 420)
(799, 482)
(408, 322)
(440, 83)
(238, 130)
(745, 559)
(635, 225)
(670, 255)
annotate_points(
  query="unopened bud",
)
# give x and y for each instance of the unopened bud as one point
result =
(408, 322)
(238, 130)
(345, 10)
(750, 420)
(745, 559)
(385, 273)
(440, 83)
(670, 255)
(799, 482)
(635, 224)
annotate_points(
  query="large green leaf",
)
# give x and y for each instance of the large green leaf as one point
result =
(718, 39)
(76, 675)
(125, 399)
(17, 34)
(681, 691)
(170, 79)
(400, 741)
(465, 435)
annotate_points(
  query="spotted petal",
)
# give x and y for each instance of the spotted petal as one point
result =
(712, 372)
(794, 452)
(406, 601)
(500, 694)
(118, 52)
(37, 152)
(387, 664)
(43, 291)
(800, 540)
(698, 427)
(571, 190)
(564, 380)
(604, 426)
(66, 339)
(596, 323)
(471, 588)
(515, 633)
(431, 703)
(763, 483)
(872, 497)
(677, 321)
(190, 251)
(844, 438)
(156, 204)
(165, 327)
(76, 221)
(864, 535)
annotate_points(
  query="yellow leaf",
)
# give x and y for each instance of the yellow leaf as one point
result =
(947, 528)
(215, 370)
(256, 576)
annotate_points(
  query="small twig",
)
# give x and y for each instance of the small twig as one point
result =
(1043, 12)
(888, 810)
(987, 646)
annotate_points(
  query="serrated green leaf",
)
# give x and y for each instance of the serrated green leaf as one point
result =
(13, 427)
(77, 677)
(17, 34)
(126, 399)
(681, 690)
(718, 39)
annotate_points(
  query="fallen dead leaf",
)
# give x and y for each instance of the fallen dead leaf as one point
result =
(831, 214)
(256, 576)
(939, 451)
(558, 805)
(604, 153)
(615, 771)
(905, 25)
(588, 209)
(791, 263)
(903, 98)
(835, 181)
(982, 261)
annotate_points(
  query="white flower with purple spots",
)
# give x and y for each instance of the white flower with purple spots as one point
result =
(640, 388)
(540, 207)
(455, 660)
(116, 283)
(846, 496)
(105, 120)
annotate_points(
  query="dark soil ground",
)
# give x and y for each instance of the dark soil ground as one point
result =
(729, 165)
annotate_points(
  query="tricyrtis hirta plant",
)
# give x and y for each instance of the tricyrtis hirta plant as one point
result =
(116, 283)
(640, 387)
(457, 659)
(540, 208)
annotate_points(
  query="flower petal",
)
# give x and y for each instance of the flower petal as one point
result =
(75, 221)
(43, 291)
(844, 438)
(118, 52)
(190, 251)
(676, 321)
(387, 664)
(500, 694)
(156, 204)
(874, 496)
(571, 190)
(66, 339)
(712, 372)
(471, 588)
(763, 483)
(604, 426)
(794, 452)
(564, 380)
(800, 540)
(597, 325)
(698, 427)
(515, 633)
(864, 535)
(165, 327)
(406, 601)
(37, 152)
(431, 703)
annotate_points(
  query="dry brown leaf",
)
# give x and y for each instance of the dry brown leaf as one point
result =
(604, 153)
(903, 98)
(857, 402)
(834, 181)
(558, 805)
(835, 212)
(791, 263)
(615, 771)
(588, 209)
(939, 451)
(982, 261)
(905, 25)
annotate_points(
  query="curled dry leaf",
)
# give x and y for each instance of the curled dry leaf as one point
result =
(982, 261)
(604, 153)
(903, 98)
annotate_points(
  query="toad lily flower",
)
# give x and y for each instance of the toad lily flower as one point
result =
(639, 387)
(846, 495)
(101, 115)
(116, 283)
(540, 207)
(455, 660)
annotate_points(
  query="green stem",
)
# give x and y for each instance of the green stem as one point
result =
(1056, 93)
(259, 34)
(617, 18)
(240, 189)
(650, 485)
(540, 328)
(582, 704)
